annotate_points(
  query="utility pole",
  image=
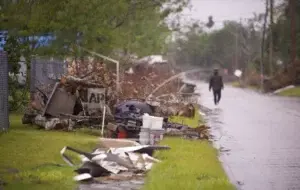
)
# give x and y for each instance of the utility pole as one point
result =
(236, 49)
(263, 47)
(239, 42)
(271, 38)
(293, 30)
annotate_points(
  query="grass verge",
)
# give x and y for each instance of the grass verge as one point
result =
(236, 84)
(188, 165)
(239, 85)
(293, 92)
(28, 157)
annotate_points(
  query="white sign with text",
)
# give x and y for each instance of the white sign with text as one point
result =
(96, 98)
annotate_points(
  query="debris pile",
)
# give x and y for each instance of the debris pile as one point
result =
(201, 132)
(73, 101)
(144, 78)
(121, 163)
(287, 76)
(89, 98)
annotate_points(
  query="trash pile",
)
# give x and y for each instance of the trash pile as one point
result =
(285, 77)
(201, 132)
(144, 78)
(139, 111)
(73, 101)
(89, 98)
(115, 163)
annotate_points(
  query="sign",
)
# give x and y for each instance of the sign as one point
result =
(238, 73)
(96, 98)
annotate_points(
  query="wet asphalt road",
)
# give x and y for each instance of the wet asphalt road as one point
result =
(259, 136)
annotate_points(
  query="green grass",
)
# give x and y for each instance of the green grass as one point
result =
(193, 122)
(238, 85)
(27, 152)
(293, 92)
(190, 165)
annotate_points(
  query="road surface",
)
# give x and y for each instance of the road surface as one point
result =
(259, 136)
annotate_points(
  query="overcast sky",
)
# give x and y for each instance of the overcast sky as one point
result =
(224, 10)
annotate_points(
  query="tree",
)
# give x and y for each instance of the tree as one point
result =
(281, 31)
(196, 47)
(17, 94)
(135, 26)
(91, 23)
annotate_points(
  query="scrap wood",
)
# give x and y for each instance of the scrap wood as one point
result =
(187, 111)
(137, 85)
(168, 109)
(81, 82)
(200, 132)
(80, 117)
(145, 79)
(53, 123)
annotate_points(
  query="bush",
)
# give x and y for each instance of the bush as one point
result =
(18, 100)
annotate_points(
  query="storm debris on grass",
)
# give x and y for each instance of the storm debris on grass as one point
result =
(114, 167)
(78, 98)
(201, 132)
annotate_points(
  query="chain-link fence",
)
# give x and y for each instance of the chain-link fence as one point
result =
(4, 120)
(45, 72)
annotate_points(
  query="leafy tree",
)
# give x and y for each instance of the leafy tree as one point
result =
(17, 94)
(282, 31)
(223, 47)
(134, 26)
(94, 24)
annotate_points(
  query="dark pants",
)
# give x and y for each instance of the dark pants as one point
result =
(217, 96)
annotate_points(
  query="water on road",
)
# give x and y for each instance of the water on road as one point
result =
(259, 136)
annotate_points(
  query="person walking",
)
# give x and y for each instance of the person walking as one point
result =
(216, 84)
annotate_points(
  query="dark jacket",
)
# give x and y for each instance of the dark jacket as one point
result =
(216, 82)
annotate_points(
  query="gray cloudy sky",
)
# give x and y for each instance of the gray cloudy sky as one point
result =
(224, 10)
